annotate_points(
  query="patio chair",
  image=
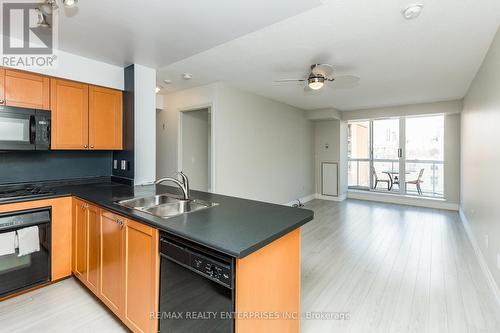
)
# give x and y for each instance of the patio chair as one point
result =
(417, 181)
(377, 180)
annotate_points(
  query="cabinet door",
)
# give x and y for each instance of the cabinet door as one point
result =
(70, 123)
(111, 284)
(105, 118)
(2, 87)
(93, 244)
(27, 90)
(142, 276)
(80, 240)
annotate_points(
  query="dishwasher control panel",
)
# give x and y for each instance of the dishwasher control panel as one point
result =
(212, 269)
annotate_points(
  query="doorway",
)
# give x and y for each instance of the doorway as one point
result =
(195, 148)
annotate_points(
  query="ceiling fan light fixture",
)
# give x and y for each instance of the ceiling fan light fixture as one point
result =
(70, 3)
(316, 82)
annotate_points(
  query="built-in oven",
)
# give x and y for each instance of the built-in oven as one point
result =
(24, 129)
(196, 288)
(27, 264)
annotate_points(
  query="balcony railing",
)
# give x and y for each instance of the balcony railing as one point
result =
(360, 177)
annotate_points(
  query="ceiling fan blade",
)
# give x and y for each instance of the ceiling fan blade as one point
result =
(345, 82)
(290, 80)
(322, 69)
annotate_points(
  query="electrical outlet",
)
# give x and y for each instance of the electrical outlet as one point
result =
(115, 164)
(486, 241)
(124, 165)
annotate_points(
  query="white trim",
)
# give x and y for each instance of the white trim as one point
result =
(341, 197)
(402, 200)
(480, 257)
(305, 199)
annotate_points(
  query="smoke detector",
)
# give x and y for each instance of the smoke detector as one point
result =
(187, 76)
(412, 11)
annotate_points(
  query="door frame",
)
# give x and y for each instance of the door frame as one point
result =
(210, 108)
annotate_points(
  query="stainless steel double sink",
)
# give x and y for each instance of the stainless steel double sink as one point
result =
(165, 205)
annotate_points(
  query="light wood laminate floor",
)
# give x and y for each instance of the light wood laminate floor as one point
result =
(391, 268)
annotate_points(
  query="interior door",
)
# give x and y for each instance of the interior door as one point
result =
(70, 123)
(105, 118)
(80, 240)
(386, 154)
(27, 90)
(93, 244)
(112, 273)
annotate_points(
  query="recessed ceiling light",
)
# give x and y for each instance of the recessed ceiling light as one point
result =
(157, 89)
(167, 81)
(187, 76)
(412, 11)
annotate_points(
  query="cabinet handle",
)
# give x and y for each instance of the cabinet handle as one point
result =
(92, 146)
(85, 146)
(2, 101)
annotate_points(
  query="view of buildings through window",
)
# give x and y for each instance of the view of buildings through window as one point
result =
(419, 161)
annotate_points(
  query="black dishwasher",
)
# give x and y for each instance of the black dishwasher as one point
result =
(196, 288)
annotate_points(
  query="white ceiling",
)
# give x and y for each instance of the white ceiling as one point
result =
(156, 33)
(432, 58)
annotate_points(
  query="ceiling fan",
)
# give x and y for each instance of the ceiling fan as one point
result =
(320, 75)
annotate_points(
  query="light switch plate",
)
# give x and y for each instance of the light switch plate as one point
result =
(124, 165)
(115, 164)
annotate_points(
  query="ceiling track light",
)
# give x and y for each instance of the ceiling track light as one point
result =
(412, 11)
(48, 7)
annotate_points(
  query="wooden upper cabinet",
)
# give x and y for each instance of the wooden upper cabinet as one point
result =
(105, 118)
(142, 277)
(25, 89)
(112, 263)
(70, 122)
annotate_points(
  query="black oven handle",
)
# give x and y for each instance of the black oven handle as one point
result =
(32, 129)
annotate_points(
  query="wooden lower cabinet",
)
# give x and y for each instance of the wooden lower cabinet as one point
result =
(141, 276)
(111, 290)
(86, 245)
(117, 259)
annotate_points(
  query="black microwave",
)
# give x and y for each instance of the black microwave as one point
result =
(24, 129)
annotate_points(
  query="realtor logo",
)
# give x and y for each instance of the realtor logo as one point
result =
(28, 35)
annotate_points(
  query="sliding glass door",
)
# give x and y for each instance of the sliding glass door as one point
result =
(402, 155)
(386, 155)
(424, 155)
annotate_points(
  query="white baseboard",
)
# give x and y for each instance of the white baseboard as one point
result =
(341, 197)
(482, 262)
(305, 199)
(402, 200)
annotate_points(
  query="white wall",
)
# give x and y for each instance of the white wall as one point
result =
(262, 149)
(195, 148)
(144, 119)
(168, 123)
(77, 68)
(480, 157)
(447, 107)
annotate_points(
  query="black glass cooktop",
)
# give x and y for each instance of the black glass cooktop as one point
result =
(21, 191)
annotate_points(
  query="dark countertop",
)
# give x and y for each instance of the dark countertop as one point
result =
(236, 227)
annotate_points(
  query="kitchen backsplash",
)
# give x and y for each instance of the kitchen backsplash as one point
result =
(53, 165)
